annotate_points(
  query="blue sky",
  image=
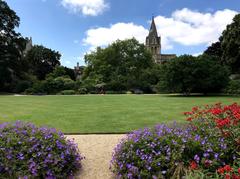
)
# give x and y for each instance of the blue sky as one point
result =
(75, 27)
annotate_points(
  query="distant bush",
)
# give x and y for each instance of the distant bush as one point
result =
(138, 91)
(82, 91)
(68, 92)
(115, 92)
(27, 151)
(233, 87)
(129, 92)
(22, 86)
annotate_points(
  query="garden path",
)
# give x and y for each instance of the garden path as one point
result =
(98, 152)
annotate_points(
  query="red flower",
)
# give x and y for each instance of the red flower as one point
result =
(195, 108)
(216, 111)
(239, 170)
(189, 119)
(235, 176)
(227, 176)
(227, 168)
(220, 170)
(193, 165)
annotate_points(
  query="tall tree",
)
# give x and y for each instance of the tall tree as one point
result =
(11, 47)
(187, 74)
(214, 50)
(121, 66)
(230, 44)
(42, 61)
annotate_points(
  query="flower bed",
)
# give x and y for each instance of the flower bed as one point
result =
(209, 145)
(27, 151)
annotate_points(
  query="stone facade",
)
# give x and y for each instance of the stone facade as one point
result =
(78, 71)
(153, 43)
(28, 47)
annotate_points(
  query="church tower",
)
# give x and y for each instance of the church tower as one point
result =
(153, 42)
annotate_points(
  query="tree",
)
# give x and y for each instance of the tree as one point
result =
(42, 61)
(62, 71)
(121, 66)
(230, 44)
(187, 74)
(11, 47)
(214, 50)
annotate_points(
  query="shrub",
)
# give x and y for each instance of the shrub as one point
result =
(129, 92)
(27, 151)
(115, 92)
(204, 147)
(233, 87)
(138, 91)
(22, 86)
(82, 91)
(67, 92)
(164, 152)
(223, 123)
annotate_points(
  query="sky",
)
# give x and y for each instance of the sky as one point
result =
(77, 27)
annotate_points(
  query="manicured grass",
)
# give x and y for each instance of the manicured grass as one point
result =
(101, 113)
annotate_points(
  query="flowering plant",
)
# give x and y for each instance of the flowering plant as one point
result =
(209, 143)
(27, 151)
(220, 122)
(164, 152)
(225, 120)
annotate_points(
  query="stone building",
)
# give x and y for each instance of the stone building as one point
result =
(28, 47)
(153, 43)
(78, 70)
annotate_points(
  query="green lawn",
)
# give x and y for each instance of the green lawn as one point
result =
(101, 113)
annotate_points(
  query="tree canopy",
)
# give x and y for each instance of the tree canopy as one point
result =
(123, 65)
(11, 47)
(227, 49)
(42, 61)
(187, 74)
(230, 44)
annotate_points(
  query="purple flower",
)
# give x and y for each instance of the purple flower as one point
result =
(196, 158)
(206, 154)
(216, 155)
(20, 156)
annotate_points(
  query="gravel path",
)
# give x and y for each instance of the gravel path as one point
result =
(98, 152)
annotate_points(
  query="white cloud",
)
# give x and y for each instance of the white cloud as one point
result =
(197, 54)
(188, 27)
(103, 36)
(185, 27)
(86, 7)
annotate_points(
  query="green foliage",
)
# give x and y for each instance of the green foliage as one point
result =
(123, 65)
(82, 91)
(42, 61)
(230, 44)
(31, 152)
(22, 86)
(115, 92)
(11, 47)
(214, 50)
(129, 92)
(233, 87)
(187, 74)
(205, 148)
(52, 85)
(67, 92)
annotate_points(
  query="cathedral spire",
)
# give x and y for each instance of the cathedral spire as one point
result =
(153, 29)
